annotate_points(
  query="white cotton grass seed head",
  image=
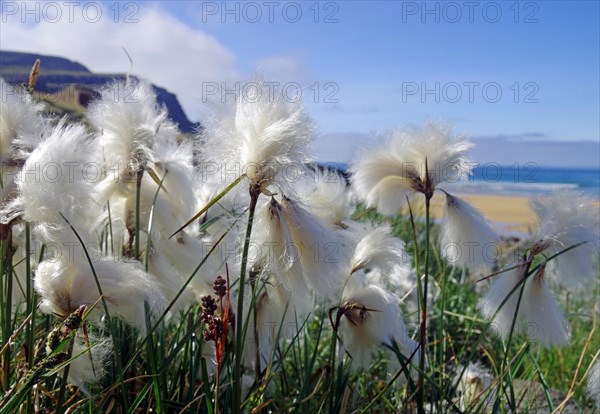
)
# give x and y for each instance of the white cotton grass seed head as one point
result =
(378, 250)
(325, 193)
(170, 281)
(539, 316)
(544, 321)
(170, 206)
(22, 128)
(564, 220)
(84, 370)
(385, 176)
(474, 387)
(129, 122)
(176, 194)
(277, 251)
(298, 252)
(593, 383)
(267, 135)
(276, 318)
(185, 253)
(174, 166)
(322, 253)
(21, 123)
(467, 239)
(56, 179)
(64, 286)
(492, 301)
(378, 180)
(372, 318)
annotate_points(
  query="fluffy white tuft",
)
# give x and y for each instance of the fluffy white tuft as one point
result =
(545, 322)
(497, 293)
(64, 286)
(170, 280)
(276, 318)
(322, 253)
(325, 194)
(372, 317)
(564, 220)
(267, 134)
(383, 177)
(276, 250)
(130, 123)
(539, 316)
(56, 179)
(379, 179)
(378, 250)
(81, 371)
(593, 385)
(172, 205)
(474, 387)
(185, 253)
(467, 239)
(21, 124)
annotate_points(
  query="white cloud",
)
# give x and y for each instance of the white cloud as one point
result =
(164, 50)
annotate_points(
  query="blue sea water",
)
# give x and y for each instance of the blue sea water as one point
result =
(525, 180)
(530, 179)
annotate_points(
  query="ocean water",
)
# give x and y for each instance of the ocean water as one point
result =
(529, 180)
(525, 180)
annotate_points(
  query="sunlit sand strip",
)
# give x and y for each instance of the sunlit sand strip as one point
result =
(509, 214)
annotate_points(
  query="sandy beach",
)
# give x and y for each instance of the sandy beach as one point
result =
(509, 214)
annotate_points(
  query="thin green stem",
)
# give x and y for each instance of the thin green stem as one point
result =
(138, 192)
(422, 302)
(423, 330)
(152, 355)
(510, 336)
(110, 229)
(441, 340)
(332, 360)
(239, 340)
(210, 204)
(63, 386)
(416, 254)
(109, 321)
(151, 223)
(254, 284)
(31, 304)
(172, 303)
(6, 269)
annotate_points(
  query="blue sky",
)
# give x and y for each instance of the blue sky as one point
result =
(498, 70)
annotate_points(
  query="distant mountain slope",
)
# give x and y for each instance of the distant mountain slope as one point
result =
(19, 61)
(58, 74)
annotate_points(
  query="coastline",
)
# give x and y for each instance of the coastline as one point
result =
(510, 215)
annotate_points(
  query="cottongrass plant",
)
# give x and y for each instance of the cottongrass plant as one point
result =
(566, 244)
(414, 161)
(226, 272)
(370, 317)
(474, 387)
(593, 384)
(520, 300)
(466, 238)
